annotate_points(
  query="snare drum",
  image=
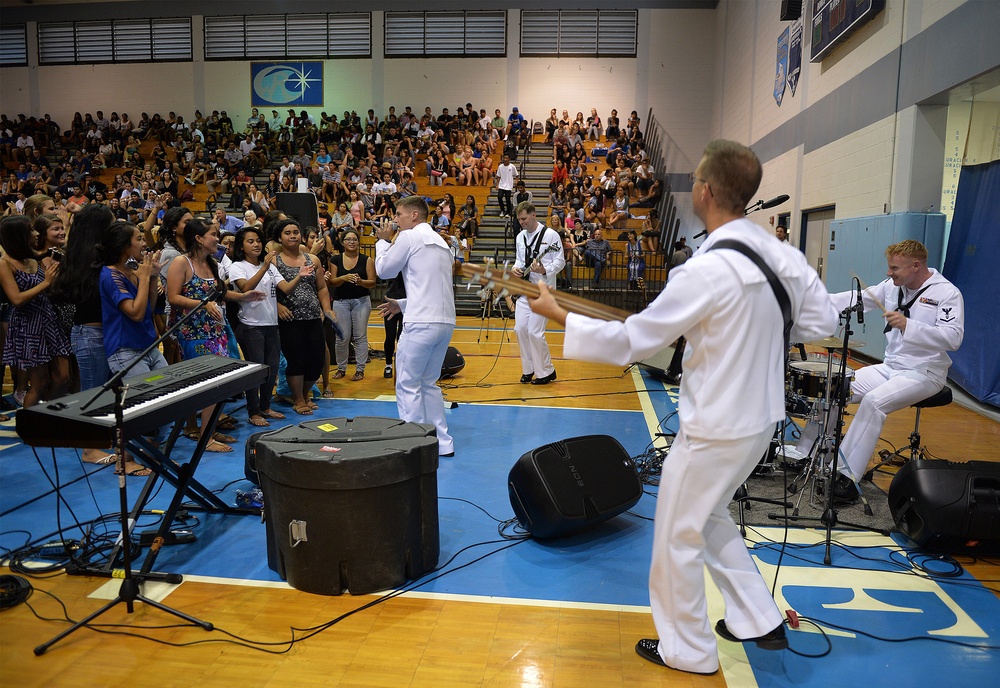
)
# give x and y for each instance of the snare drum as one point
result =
(808, 379)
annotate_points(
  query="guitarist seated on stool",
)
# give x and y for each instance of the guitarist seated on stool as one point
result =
(539, 259)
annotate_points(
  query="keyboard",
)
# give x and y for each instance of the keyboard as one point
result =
(152, 399)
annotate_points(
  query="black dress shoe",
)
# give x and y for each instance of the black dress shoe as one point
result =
(526, 378)
(646, 648)
(844, 489)
(774, 640)
(544, 380)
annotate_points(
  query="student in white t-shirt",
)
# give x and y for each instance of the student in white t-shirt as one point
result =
(257, 328)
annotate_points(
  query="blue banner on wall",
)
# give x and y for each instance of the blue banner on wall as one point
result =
(286, 83)
(794, 54)
(781, 69)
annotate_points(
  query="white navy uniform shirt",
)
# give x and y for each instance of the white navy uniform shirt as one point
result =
(733, 384)
(426, 263)
(550, 254)
(936, 324)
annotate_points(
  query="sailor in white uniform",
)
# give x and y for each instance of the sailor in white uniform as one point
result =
(540, 256)
(731, 399)
(925, 317)
(424, 259)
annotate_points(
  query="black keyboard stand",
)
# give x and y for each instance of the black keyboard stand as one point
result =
(181, 477)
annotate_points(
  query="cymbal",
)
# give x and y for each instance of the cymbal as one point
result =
(835, 343)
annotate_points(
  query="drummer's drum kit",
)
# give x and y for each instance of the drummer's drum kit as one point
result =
(816, 384)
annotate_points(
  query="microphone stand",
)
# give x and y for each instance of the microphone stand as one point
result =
(129, 591)
(829, 517)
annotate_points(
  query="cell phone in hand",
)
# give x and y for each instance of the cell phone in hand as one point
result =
(334, 325)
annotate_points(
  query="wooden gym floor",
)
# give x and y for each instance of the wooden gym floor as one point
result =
(430, 639)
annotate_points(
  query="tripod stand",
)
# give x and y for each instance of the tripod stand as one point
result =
(491, 303)
(129, 590)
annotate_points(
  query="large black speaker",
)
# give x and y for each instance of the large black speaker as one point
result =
(949, 507)
(570, 485)
(301, 207)
(791, 10)
(453, 364)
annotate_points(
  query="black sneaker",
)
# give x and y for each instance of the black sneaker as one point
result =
(773, 640)
(544, 380)
(388, 371)
(526, 378)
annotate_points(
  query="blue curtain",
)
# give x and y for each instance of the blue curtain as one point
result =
(971, 265)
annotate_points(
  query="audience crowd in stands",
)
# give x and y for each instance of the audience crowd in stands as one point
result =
(143, 171)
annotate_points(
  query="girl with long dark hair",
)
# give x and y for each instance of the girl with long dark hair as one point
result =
(253, 272)
(352, 274)
(78, 284)
(34, 341)
(301, 323)
(191, 277)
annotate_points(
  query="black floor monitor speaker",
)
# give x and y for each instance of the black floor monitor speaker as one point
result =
(301, 207)
(948, 507)
(665, 365)
(571, 485)
(453, 364)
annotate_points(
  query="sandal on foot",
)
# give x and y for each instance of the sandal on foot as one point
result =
(360, 375)
(339, 374)
(221, 437)
(303, 409)
(328, 394)
(103, 461)
(259, 421)
(137, 472)
(218, 447)
(272, 414)
(313, 405)
(227, 423)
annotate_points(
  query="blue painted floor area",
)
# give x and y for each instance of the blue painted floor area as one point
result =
(875, 590)
(607, 564)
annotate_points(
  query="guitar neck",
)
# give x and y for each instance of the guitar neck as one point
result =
(504, 282)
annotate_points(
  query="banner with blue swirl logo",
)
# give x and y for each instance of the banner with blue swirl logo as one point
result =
(286, 83)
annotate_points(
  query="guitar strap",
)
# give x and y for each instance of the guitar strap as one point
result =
(531, 250)
(779, 290)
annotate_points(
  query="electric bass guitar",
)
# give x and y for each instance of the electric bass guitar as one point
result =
(505, 282)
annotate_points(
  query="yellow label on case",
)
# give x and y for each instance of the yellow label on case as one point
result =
(328, 427)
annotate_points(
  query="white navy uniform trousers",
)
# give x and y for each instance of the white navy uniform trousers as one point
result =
(731, 398)
(425, 261)
(528, 325)
(915, 366)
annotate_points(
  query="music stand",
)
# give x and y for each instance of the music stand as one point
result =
(129, 590)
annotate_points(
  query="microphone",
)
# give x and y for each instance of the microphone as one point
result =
(777, 200)
(861, 303)
(700, 234)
